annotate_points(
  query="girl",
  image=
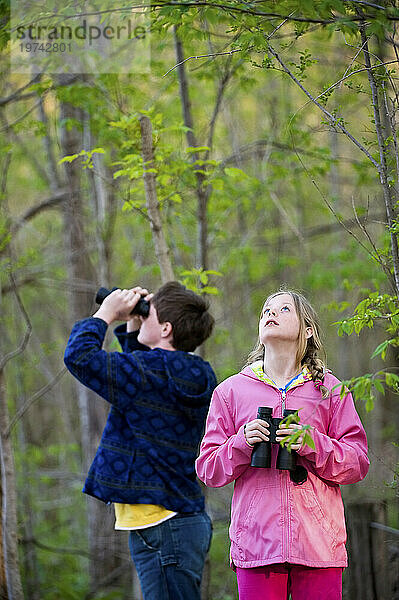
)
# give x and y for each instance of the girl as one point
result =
(287, 533)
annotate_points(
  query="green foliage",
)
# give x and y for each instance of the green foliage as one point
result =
(223, 584)
(86, 155)
(305, 61)
(197, 280)
(304, 430)
(375, 308)
(60, 573)
(383, 308)
(264, 211)
(367, 386)
(4, 23)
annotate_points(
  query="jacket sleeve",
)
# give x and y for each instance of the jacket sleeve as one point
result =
(101, 371)
(224, 453)
(128, 340)
(340, 456)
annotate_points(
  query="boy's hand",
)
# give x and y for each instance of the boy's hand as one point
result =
(134, 322)
(118, 306)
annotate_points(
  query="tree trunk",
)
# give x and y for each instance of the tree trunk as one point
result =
(31, 567)
(202, 190)
(10, 579)
(102, 539)
(387, 190)
(161, 248)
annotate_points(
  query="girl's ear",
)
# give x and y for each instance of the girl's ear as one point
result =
(308, 332)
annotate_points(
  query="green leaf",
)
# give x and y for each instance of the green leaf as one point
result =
(381, 349)
(192, 149)
(68, 159)
(209, 290)
(309, 441)
(378, 386)
(370, 403)
(235, 173)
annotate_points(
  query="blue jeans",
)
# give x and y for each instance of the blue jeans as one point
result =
(170, 557)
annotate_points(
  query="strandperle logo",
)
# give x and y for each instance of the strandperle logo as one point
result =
(81, 32)
(112, 40)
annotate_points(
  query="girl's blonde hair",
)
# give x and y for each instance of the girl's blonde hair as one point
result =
(309, 349)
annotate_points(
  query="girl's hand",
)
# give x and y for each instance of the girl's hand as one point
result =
(286, 430)
(256, 431)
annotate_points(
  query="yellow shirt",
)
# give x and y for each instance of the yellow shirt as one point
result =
(139, 516)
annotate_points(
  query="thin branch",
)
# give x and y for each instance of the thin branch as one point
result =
(255, 149)
(371, 4)
(16, 225)
(48, 203)
(356, 55)
(342, 222)
(223, 82)
(381, 63)
(312, 232)
(390, 62)
(21, 118)
(57, 550)
(107, 580)
(16, 95)
(225, 7)
(286, 217)
(20, 413)
(31, 156)
(29, 279)
(362, 226)
(229, 52)
(28, 331)
(334, 121)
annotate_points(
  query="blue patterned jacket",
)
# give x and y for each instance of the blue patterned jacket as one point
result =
(160, 400)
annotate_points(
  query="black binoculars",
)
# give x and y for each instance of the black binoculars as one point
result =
(142, 307)
(262, 452)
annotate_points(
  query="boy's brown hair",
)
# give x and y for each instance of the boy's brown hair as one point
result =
(187, 312)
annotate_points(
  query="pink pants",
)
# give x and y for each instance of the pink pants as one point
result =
(276, 582)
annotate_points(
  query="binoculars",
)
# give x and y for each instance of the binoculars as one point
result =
(142, 307)
(262, 452)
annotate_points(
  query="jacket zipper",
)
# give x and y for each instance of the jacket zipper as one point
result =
(283, 396)
(286, 516)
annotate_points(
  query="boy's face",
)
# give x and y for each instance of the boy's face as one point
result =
(151, 330)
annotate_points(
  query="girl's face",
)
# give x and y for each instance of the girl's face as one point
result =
(279, 320)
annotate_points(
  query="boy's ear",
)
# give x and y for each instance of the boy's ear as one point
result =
(166, 330)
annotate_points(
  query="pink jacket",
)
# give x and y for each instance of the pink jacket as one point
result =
(272, 519)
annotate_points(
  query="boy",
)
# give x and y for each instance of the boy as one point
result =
(160, 395)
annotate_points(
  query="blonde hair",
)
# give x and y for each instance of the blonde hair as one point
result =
(309, 349)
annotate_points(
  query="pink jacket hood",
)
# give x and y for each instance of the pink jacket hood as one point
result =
(272, 519)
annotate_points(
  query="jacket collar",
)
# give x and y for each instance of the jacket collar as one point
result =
(304, 375)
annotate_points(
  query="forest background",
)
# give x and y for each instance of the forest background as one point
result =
(258, 149)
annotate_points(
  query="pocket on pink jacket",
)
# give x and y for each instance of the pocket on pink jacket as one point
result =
(315, 532)
(255, 533)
